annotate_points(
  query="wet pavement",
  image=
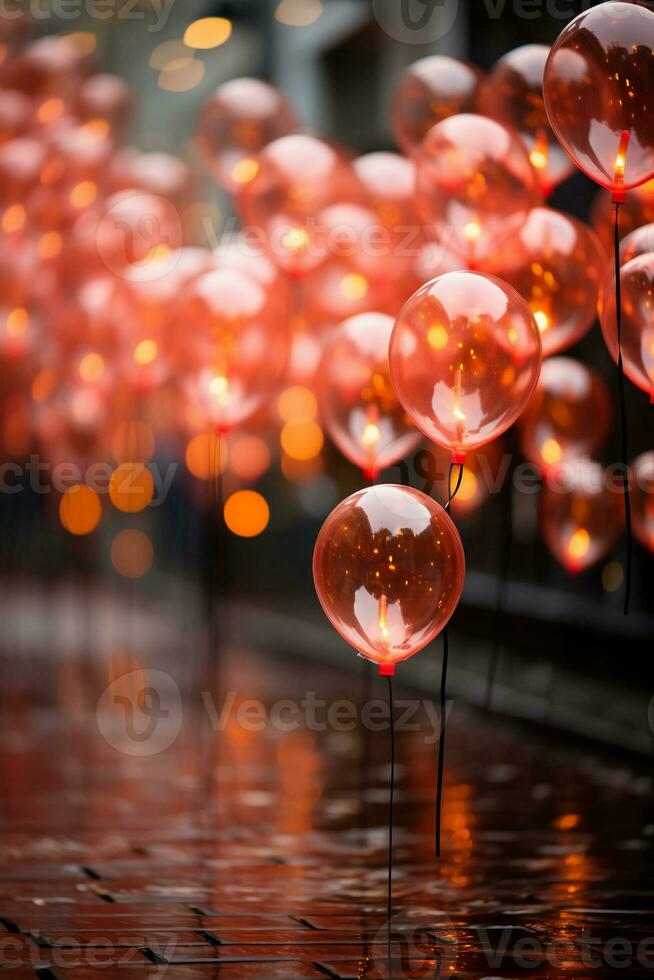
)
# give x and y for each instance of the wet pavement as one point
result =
(240, 839)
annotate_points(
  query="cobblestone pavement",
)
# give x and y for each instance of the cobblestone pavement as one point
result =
(249, 840)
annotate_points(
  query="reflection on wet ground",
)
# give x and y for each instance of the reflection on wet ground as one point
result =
(247, 853)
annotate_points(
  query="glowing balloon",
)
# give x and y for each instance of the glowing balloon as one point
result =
(475, 185)
(238, 121)
(598, 90)
(235, 353)
(642, 499)
(429, 91)
(389, 181)
(298, 178)
(582, 514)
(465, 357)
(358, 406)
(637, 334)
(104, 103)
(557, 265)
(513, 94)
(15, 115)
(388, 568)
(569, 415)
(131, 228)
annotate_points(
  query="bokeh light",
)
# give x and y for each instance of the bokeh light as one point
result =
(246, 513)
(132, 553)
(131, 487)
(80, 509)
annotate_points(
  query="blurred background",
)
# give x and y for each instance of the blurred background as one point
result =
(170, 586)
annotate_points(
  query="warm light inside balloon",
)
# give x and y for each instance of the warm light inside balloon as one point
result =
(579, 544)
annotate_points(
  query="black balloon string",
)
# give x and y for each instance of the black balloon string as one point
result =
(389, 898)
(624, 446)
(451, 494)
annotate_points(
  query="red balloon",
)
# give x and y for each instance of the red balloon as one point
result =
(389, 181)
(15, 115)
(465, 357)
(235, 355)
(358, 406)
(598, 88)
(637, 331)
(298, 178)
(131, 228)
(569, 415)
(642, 499)
(238, 121)
(430, 90)
(475, 185)
(105, 103)
(513, 94)
(557, 265)
(388, 568)
(582, 515)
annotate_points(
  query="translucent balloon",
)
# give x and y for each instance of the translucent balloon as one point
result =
(298, 178)
(15, 115)
(143, 360)
(238, 121)
(637, 210)
(582, 514)
(465, 357)
(475, 185)
(369, 267)
(557, 265)
(131, 228)
(235, 354)
(569, 415)
(388, 568)
(637, 333)
(598, 89)
(429, 91)
(642, 499)
(49, 67)
(389, 181)
(104, 103)
(513, 94)
(358, 406)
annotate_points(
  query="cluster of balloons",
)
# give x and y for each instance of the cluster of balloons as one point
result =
(415, 293)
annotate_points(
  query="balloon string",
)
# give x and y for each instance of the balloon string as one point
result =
(389, 904)
(505, 531)
(624, 450)
(451, 494)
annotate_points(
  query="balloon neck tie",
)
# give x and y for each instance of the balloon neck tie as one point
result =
(387, 670)
(389, 902)
(624, 446)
